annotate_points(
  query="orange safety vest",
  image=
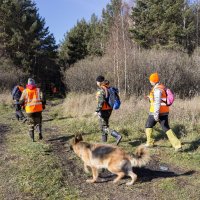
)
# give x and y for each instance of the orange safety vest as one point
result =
(163, 107)
(20, 88)
(33, 102)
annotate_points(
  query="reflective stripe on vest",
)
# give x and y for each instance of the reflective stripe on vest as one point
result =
(33, 102)
(163, 107)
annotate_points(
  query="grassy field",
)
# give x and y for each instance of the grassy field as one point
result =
(48, 170)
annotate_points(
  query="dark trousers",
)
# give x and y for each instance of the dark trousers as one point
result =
(104, 120)
(35, 119)
(18, 112)
(163, 120)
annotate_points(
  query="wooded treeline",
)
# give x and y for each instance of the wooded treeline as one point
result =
(26, 46)
(135, 40)
(130, 41)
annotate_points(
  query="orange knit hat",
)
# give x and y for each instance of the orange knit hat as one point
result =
(154, 78)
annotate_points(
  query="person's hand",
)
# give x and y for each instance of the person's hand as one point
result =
(96, 113)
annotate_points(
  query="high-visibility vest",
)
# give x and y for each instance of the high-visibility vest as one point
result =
(17, 92)
(163, 107)
(21, 88)
(33, 102)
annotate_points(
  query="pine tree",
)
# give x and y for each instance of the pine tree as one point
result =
(75, 42)
(94, 37)
(27, 41)
(163, 24)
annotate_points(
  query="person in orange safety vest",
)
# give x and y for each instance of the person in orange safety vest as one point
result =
(159, 112)
(33, 100)
(16, 94)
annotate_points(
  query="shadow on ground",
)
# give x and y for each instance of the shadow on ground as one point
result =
(144, 175)
(61, 139)
(193, 145)
(147, 175)
(3, 129)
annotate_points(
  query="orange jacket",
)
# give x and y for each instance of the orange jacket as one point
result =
(21, 88)
(164, 109)
(33, 102)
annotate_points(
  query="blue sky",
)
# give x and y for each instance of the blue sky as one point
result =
(62, 15)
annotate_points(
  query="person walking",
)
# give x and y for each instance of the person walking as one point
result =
(159, 112)
(104, 110)
(33, 100)
(16, 94)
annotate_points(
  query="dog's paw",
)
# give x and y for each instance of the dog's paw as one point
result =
(90, 181)
(115, 181)
(86, 170)
(129, 183)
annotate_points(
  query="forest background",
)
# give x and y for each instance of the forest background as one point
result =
(130, 41)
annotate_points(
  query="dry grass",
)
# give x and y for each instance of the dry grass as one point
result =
(133, 109)
(77, 104)
(187, 110)
(6, 98)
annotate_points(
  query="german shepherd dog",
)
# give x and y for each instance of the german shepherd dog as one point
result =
(113, 158)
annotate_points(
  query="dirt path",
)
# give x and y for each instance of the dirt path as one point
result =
(75, 177)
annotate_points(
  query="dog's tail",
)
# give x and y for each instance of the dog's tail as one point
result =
(141, 157)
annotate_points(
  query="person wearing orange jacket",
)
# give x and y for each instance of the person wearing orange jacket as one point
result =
(16, 94)
(104, 110)
(159, 112)
(33, 100)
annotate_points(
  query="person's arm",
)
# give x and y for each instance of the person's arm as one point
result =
(100, 100)
(157, 103)
(22, 98)
(43, 99)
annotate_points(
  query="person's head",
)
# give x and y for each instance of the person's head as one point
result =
(31, 81)
(106, 82)
(154, 78)
(99, 80)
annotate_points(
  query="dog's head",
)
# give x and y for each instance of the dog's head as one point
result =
(73, 146)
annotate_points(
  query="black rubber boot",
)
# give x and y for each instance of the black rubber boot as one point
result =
(117, 136)
(24, 120)
(31, 133)
(40, 132)
(104, 138)
(17, 117)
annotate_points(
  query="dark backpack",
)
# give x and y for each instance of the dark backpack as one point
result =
(16, 93)
(113, 98)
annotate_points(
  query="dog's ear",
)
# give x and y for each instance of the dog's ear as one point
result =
(78, 138)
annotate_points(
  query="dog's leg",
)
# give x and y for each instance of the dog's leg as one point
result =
(86, 169)
(120, 175)
(95, 175)
(133, 176)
